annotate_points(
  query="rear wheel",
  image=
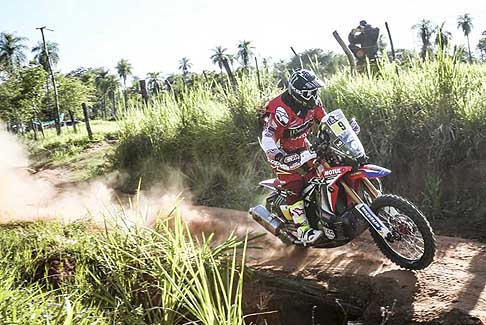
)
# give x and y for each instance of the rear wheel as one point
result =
(412, 244)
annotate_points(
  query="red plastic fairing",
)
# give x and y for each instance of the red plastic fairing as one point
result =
(332, 176)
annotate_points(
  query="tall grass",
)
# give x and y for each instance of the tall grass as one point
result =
(209, 133)
(424, 120)
(76, 274)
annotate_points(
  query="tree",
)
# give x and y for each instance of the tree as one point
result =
(107, 86)
(482, 48)
(21, 95)
(124, 69)
(319, 61)
(184, 66)
(219, 56)
(223, 59)
(154, 82)
(12, 50)
(442, 37)
(245, 53)
(41, 57)
(72, 94)
(465, 23)
(425, 30)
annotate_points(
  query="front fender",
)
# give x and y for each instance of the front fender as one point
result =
(374, 171)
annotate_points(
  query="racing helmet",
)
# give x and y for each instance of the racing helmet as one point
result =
(303, 86)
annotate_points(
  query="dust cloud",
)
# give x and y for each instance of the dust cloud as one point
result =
(27, 196)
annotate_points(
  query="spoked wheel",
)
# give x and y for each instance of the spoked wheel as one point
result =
(412, 244)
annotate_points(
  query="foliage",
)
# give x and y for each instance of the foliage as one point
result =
(431, 111)
(482, 48)
(72, 93)
(323, 63)
(245, 53)
(41, 56)
(424, 31)
(207, 133)
(220, 55)
(464, 22)
(12, 50)
(124, 69)
(184, 65)
(155, 82)
(77, 274)
(442, 38)
(21, 94)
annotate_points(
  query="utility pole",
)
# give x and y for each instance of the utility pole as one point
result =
(56, 99)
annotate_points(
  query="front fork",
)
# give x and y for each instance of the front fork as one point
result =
(365, 211)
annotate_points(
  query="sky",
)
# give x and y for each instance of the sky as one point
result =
(153, 35)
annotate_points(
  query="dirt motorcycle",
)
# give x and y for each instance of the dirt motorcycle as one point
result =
(343, 198)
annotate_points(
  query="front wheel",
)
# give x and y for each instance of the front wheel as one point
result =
(412, 244)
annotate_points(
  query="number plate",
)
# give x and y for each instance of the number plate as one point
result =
(338, 127)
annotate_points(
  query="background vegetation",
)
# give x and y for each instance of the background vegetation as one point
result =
(422, 115)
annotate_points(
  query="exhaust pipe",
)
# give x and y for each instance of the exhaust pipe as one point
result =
(268, 220)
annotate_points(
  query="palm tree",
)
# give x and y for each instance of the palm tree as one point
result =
(245, 53)
(41, 57)
(12, 51)
(124, 69)
(223, 59)
(465, 23)
(107, 85)
(154, 82)
(219, 56)
(442, 37)
(184, 66)
(425, 31)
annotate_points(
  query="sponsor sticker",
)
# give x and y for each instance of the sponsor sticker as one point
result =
(332, 172)
(281, 116)
(370, 217)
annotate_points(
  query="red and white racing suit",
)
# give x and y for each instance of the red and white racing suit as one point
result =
(287, 131)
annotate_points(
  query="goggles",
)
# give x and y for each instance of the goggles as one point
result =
(309, 94)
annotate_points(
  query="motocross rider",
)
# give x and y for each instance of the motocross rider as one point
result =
(288, 120)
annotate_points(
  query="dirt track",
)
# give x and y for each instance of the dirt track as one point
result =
(454, 283)
(452, 288)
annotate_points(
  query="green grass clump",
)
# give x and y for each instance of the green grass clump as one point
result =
(77, 274)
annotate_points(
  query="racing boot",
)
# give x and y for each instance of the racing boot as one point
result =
(305, 233)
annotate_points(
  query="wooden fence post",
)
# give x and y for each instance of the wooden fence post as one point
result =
(391, 41)
(34, 128)
(346, 50)
(86, 121)
(258, 75)
(73, 122)
(143, 89)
